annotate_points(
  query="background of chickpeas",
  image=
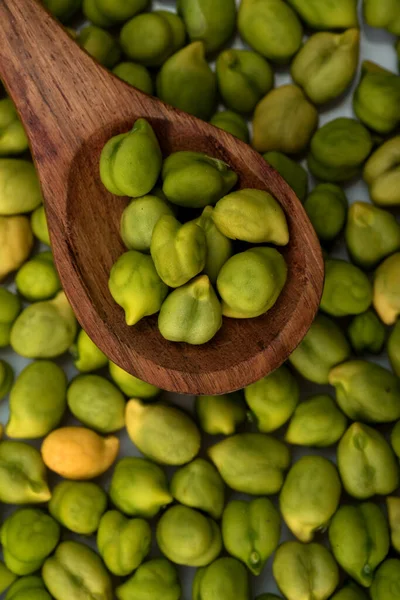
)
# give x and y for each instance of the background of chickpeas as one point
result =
(376, 45)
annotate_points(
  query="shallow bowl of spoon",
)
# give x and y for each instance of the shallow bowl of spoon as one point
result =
(70, 106)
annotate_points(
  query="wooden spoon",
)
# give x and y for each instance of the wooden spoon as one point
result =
(70, 107)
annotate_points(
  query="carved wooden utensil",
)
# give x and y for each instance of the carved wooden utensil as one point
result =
(70, 107)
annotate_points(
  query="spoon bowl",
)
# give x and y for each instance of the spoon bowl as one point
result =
(70, 107)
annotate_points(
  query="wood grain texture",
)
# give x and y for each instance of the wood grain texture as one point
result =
(70, 107)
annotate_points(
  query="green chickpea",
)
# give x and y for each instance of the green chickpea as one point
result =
(381, 173)
(187, 537)
(338, 150)
(139, 219)
(351, 591)
(323, 347)
(130, 385)
(16, 241)
(293, 173)
(10, 307)
(310, 496)
(220, 414)
(123, 543)
(326, 208)
(393, 507)
(252, 463)
(39, 225)
(74, 570)
(7, 577)
(13, 138)
(44, 329)
(195, 180)
(386, 297)
(232, 123)
(305, 571)
(178, 251)
(366, 333)
(22, 474)
(366, 463)
(386, 585)
(37, 400)
(244, 77)
(322, 14)
(226, 574)
(6, 378)
(273, 399)
(136, 286)
(187, 82)
(359, 538)
(78, 506)
(38, 279)
(395, 439)
(30, 587)
(163, 433)
(156, 579)
(393, 348)
(219, 247)
(28, 537)
(326, 65)
(87, 356)
(106, 13)
(251, 531)
(366, 391)
(251, 282)
(136, 75)
(63, 9)
(347, 290)
(209, 21)
(130, 163)
(371, 234)
(284, 120)
(100, 45)
(191, 313)
(139, 487)
(376, 98)
(316, 422)
(199, 485)
(150, 38)
(271, 28)
(382, 13)
(252, 216)
(97, 403)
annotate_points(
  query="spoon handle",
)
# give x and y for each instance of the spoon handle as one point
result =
(56, 87)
